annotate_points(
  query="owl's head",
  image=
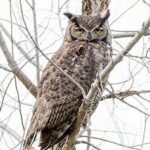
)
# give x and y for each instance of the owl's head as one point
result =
(87, 28)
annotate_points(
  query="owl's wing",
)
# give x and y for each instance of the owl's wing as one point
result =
(58, 99)
(53, 116)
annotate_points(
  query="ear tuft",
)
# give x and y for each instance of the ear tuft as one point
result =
(105, 15)
(70, 16)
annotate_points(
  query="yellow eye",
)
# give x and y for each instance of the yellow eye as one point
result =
(99, 30)
(79, 30)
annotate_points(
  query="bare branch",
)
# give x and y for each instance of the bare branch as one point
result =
(36, 41)
(105, 140)
(144, 131)
(148, 4)
(134, 107)
(11, 132)
(88, 143)
(124, 94)
(4, 68)
(147, 143)
(15, 69)
(19, 104)
(127, 34)
(134, 40)
(29, 4)
(125, 12)
(88, 138)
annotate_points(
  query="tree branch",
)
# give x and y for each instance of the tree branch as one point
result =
(108, 141)
(88, 143)
(118, 58)
(127, 34)
(36, 41)
(11, 132)
(124, 94)
(15, 69)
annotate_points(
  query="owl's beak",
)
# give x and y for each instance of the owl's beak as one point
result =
(89, 37)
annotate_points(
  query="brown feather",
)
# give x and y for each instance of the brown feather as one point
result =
(59, 99)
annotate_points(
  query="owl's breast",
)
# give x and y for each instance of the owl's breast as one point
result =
(80, 60)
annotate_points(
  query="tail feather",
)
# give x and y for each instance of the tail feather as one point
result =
(47, 140)
(29, 140)
(50, 137)
(60, 145)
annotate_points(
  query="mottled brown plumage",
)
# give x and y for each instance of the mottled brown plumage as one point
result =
(59, 99)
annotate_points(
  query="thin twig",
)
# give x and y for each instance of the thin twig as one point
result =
(124, 12)
(4, 68)
(19, 104)
(112, 142)
(88, 138)
(144, 131)
(29, 4)
(90, 144)
(134, 107)
(124, 94)
(148, 4)
(36, 41)
(11, 132)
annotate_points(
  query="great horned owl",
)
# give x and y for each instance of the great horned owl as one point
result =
(84, 52)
